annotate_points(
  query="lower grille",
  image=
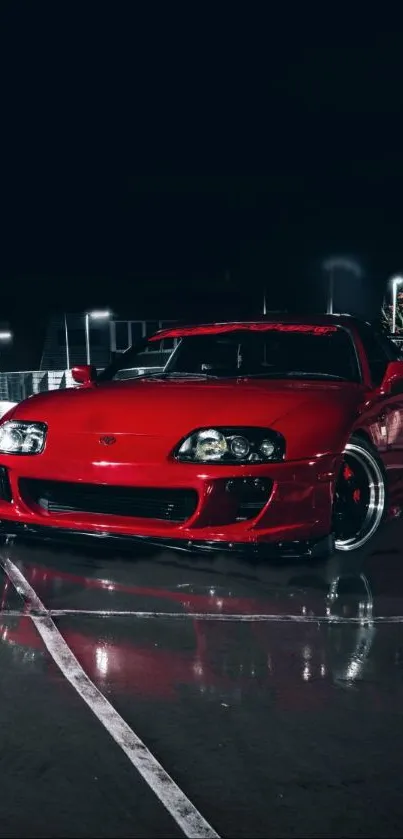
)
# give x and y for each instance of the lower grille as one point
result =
(250, 496)
(5, 488)
(55, 497)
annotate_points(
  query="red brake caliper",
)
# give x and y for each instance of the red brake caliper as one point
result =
(347, 475)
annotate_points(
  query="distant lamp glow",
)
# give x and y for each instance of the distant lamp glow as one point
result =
(6, 335)
(344, 263)
(339, 263)
(96, 314)
(99, 314)
(395, 282)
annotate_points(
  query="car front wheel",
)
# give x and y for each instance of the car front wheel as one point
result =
(360, 496)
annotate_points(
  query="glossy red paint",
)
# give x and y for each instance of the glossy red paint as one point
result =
(148, 418)
(394, 376)
(84, 374)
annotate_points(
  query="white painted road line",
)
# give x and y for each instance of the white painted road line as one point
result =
(200, 616)
(213, 616)
(178, 805)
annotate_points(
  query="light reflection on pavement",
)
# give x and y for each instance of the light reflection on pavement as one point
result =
(272, 693)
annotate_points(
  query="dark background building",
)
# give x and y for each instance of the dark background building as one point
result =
(186, 189)
(107, 337)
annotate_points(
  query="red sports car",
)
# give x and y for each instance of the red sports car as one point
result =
(281, 435)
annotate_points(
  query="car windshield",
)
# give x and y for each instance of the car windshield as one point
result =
(259, 350)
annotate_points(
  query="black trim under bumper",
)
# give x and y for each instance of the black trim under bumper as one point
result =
(321, 548)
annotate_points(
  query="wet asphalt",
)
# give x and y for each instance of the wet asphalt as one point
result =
(271, 693)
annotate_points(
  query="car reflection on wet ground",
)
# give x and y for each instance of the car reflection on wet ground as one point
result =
(234, 699)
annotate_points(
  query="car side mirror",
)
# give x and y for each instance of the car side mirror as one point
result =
(393, 379)
(84, 374)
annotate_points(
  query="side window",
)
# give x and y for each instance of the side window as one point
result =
(377, 356)
(392, 348)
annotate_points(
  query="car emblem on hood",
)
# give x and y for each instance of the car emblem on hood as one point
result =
(107, 441)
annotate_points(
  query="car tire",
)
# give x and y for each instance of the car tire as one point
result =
(360, 497)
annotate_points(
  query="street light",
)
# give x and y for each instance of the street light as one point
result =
(335, 264)
(67, 343)
(395, 282)
(101, 314)
(5, 336)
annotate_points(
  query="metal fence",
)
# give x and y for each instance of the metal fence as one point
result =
(14, 387)
(17, 386)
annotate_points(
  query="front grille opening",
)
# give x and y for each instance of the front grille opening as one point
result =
(5, 486)
(58, 497)
(250, 496)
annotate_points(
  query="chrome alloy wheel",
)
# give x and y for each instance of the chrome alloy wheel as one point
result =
(360, 498)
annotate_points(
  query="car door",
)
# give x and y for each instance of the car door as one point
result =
(380, 351)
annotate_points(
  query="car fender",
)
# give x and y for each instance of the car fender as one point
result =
(320, 426)
(7, 410)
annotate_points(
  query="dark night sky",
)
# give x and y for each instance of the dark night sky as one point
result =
(98, 111)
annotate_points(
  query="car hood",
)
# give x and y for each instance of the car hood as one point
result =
(172, 409)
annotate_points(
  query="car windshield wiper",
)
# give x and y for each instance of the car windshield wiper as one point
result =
(273, 374)
(179, 374)
(290, 374)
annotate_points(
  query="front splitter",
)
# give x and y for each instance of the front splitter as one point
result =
(321, 548)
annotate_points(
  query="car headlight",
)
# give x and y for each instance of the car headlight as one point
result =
(22, 437)
(231, 445)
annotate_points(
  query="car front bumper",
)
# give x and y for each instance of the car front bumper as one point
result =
(296, 509)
